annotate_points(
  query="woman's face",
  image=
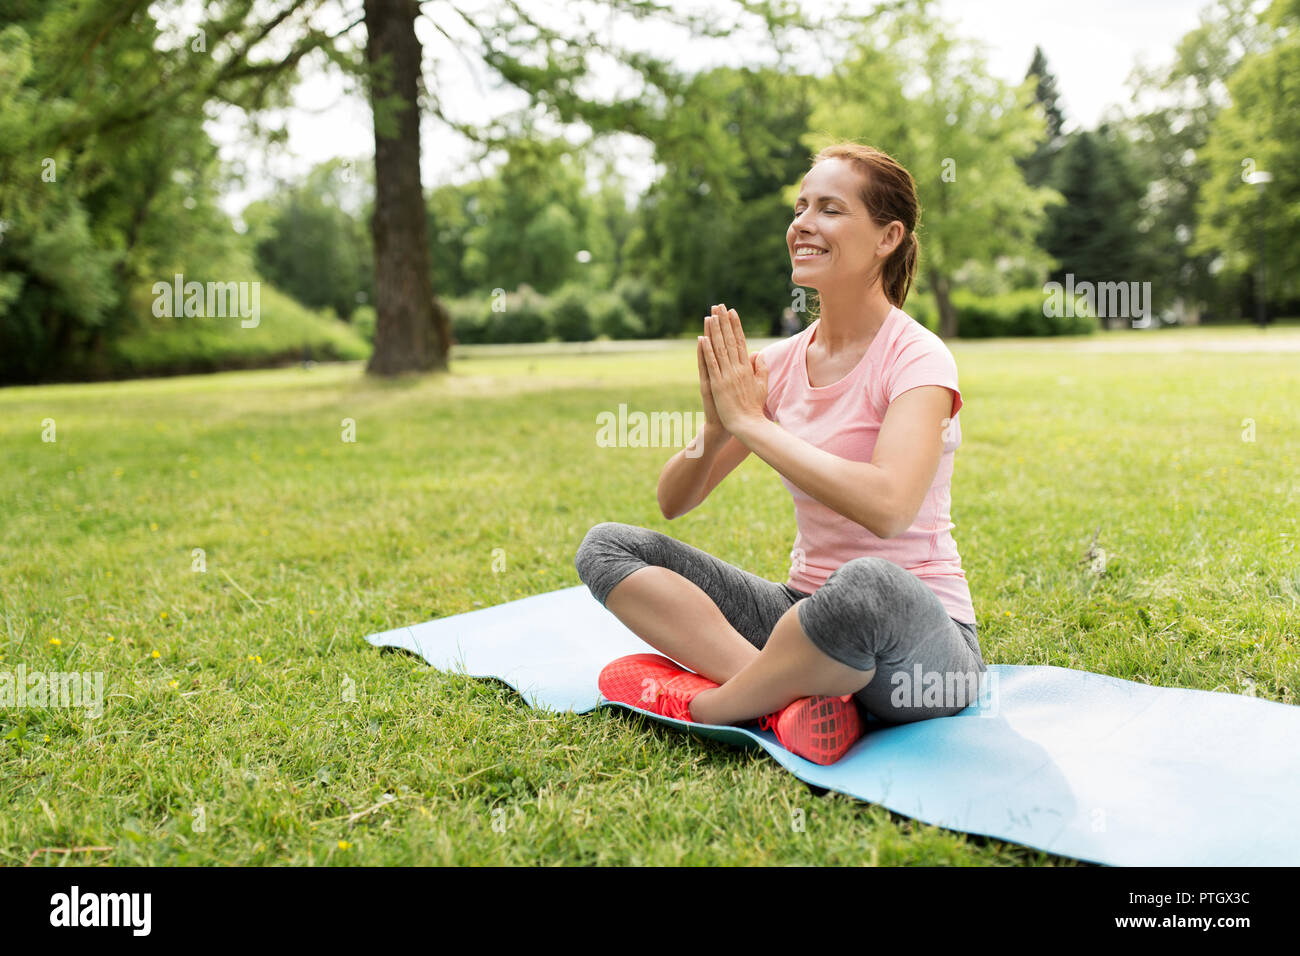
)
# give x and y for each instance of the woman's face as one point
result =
(829, 215)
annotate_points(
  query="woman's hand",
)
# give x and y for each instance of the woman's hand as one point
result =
(711, 419)
(737, 383)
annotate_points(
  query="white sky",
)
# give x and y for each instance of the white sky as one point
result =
(1091, 47)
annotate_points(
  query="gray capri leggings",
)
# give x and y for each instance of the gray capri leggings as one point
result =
(870, 614)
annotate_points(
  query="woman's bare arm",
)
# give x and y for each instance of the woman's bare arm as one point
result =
(883, 495)
(687, 481)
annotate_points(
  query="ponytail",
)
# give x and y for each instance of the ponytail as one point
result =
(899, 269)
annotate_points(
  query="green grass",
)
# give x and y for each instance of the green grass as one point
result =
(242, 716)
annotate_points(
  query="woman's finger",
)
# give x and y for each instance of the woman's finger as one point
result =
(722, 350)
(728, 336)
(711, 361)
(712, 337)
(738, 331)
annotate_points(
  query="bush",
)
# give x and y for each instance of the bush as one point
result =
(1015, 313)
(286, 332)
(571, 314)
(654, 308)
(363, 321)
(612, 316)
(469, 319)
(526, 318)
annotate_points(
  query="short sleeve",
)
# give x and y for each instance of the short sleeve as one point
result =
(924, 363)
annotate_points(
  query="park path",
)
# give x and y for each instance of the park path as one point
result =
(1218, 340)
(1201, 339)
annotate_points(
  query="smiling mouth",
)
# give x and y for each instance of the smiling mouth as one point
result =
(807, 254)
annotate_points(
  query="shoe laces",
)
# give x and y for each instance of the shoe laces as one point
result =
(768, 721)
(671, 701)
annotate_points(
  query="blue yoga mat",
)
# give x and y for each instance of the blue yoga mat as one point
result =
(1074, 763)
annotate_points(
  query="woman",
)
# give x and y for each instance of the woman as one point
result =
(858, 415)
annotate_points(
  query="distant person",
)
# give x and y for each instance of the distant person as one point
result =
(790, 323)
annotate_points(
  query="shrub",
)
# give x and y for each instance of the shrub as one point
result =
(653, 307)
(571, 314)
(286, 332)
(524, 319)
(1015, 313)
(469, 318)
(612, 316)
(363, 321)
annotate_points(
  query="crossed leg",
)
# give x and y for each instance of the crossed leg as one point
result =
(790, 666)
(673, 615)
(713, 618)
(676, 617)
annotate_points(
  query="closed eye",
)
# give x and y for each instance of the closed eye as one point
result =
(828, 211)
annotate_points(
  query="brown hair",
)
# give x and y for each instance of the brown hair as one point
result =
(889, 193)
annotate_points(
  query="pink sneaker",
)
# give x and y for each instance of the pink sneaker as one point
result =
(653, 682)
(820, 729)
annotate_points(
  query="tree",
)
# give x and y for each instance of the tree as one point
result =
(309, 244)
(1258, 133)
(531, 217)
(712, 227)
(511, 44)
(413, 329)
(1177, 105)
(1037, 167)
(928, 100)
(611, 226)
(98, 195)
(1094, 235)
(246, 53)
(453, 213)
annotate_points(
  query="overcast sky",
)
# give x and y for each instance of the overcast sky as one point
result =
(1090, 46)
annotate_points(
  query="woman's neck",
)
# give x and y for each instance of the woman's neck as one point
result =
(849, 319)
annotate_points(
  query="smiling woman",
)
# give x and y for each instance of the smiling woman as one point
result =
(857, 414)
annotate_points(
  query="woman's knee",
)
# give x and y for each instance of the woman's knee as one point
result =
(923, 691)
(602, 542)
(878, 591)
(874, 607)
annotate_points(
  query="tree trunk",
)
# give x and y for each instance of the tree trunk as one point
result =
(947, 314)
(412, 329)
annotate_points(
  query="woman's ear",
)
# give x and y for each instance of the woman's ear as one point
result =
(890, 238)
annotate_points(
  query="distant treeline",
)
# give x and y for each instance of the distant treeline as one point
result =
(103, 196)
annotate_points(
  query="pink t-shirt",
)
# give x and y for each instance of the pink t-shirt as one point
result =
(844, 419)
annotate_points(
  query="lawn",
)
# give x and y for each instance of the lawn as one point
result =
(245, 720)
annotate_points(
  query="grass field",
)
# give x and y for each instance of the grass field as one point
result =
(246, 721)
